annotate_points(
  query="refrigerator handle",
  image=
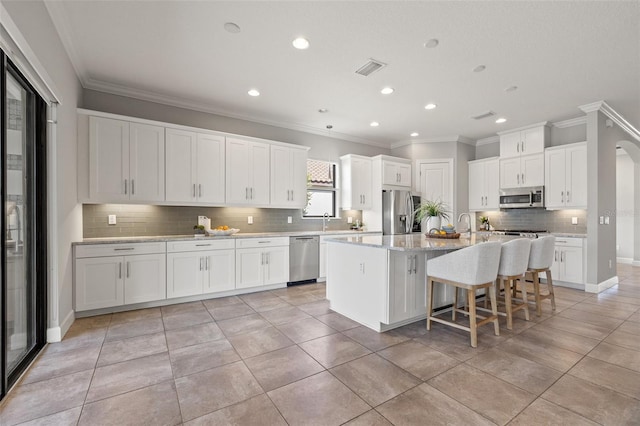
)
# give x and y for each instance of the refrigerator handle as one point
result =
(409, 223)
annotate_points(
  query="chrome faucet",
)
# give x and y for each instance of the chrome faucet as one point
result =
(325, 219)
(468, 230)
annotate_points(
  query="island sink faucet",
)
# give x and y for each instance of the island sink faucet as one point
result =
(468, 230)
(325, 219)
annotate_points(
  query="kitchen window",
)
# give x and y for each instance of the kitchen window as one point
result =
(321, 189)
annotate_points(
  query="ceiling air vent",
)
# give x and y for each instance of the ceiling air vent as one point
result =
(370, 67)
(483, 115)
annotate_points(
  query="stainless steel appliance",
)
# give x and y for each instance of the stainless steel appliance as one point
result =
(304, 258)
(521, 232)
(397, 212)
(522, 198)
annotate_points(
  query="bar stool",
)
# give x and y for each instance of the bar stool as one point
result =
(471, 268)
(514, 261)
(540, 260)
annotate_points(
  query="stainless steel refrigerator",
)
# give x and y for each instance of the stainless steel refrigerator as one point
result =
(397, 212)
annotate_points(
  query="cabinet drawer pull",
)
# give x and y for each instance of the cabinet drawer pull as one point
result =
(199, 190)
(203, 245)
(201, 264)
(568, 197)
(207, 264)
(128, 264)
(252, 193)
(246, 193)
(264, 242)
(124, 249)
(518, 177)
(125, 187)
(194, 190)
(120, 270)
(133, 188)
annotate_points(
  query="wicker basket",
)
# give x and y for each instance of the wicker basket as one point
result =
(445, 236)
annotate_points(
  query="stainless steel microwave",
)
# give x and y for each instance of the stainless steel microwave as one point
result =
(522, 198)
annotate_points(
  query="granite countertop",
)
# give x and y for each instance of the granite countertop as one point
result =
(167, 238)
(419, 242)
(568, 235)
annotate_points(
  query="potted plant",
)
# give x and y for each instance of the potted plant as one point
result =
(484, 220)
(430, 214)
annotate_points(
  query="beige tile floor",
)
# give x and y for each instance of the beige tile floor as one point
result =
(282, 357)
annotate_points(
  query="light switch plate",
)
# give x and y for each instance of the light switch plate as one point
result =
(250, 220)
(574, 220)
(349, 219)
(289, 219)
(112, 219)
(601, 220)
(606, 220)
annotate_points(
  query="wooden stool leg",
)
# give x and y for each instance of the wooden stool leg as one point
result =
(455, 304)
(525, 296)
(429, 302)
(536, 293)
(507, 302)
(550, 287)
(473, 328)
(494, 309)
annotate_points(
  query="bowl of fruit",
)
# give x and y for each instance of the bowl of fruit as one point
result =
(449, 229)
(222, 230)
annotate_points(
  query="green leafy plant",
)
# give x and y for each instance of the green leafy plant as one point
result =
(429, 208)
(483, 220)
(199, 229)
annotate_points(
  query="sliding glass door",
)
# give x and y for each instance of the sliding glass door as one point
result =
(23, 197)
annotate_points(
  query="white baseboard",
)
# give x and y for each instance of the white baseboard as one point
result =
(636, 263)
(626, 260)
(597, 288)
(55, 334)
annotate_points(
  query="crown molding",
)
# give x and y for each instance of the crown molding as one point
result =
(443, 139)
(488, 141)
(129, 92)
(616, 117)
(519, 129)
(577, 121)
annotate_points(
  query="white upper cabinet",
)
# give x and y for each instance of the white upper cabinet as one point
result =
(527, 170)
(247, 172)
(396, 174)
(356, 182)
(288, 177)
(566, 177)
(484, 184)
(524, 141)
(126, 161)
(195, 167)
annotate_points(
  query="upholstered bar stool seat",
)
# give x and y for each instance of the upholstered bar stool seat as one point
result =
(514, 261)
(471, 268)
(540, 260)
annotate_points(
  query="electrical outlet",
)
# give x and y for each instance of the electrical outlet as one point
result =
(250, 220)
(574, 220)
(349, 219)
(289, 219)
(601, 220)
(606, 220)
(112, 219)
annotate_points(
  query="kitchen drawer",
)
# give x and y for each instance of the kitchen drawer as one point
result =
(101, 250)
(262, 242)
(201, 245)
(569, 241)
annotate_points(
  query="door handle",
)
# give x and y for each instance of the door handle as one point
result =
(555, 255)
(415, 264)
(523, 178)
(201, 264)
(518, 176)
(246, 193)
(562, 256)
(119, 269)
(128, 264)
(133, 188)
(125, 187)
(207, 264)
(194, 190)
(123, 249)
(568, 197)
(199, 190)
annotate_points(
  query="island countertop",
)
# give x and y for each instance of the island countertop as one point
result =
(419, 242)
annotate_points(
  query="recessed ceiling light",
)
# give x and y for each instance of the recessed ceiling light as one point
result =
(479, 68)
(253, 92)
(323, 110)
(511, 88)
(432, 43)
(387, 90)
(374, 124)
(430, 106)
(301, 43)
(501, 120)
(232, 28)
(414, 134)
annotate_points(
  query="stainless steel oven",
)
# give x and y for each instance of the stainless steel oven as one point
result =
(522, 198)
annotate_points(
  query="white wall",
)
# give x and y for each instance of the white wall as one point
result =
(36, 27)
(625, 197)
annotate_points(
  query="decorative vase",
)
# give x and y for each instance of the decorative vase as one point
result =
(430, 222)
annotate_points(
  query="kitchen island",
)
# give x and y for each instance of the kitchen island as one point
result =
(380, 280)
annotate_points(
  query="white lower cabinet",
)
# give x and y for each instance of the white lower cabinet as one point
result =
(568, 261)
(262, 261)
(106, 277)
(200, 267)
(407, 287)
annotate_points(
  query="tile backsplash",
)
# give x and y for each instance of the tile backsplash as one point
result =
(146, 220)
(537, 219)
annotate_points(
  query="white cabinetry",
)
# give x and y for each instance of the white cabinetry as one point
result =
(247, 174)
(200, 267)
(527, 170)
(566, 177)
(262, 261)
(531, 140)
(484, 184)
(568, 261)
(288, 177)
(195, 167)
(396, 173)
(356, 182)
(126, 161)
(407, 289)
(108, 275)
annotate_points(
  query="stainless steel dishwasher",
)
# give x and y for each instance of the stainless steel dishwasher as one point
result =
(304, 258)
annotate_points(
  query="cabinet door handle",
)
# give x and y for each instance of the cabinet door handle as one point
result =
(518, 147)
(203, 245)
(133, 187)
(364, 199)
(562, 256)
(555, 255)
(523, 178)
(123, 249)
(252, 193)
(523, 146)
(262, 258)
(562, 196)
(518, 176)
(199, 190)
(415, 264)
(120, 270)
(246, 193)
(207, 264)
(128, 264)
(568, 197)
(125, 187)
(194, 190)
